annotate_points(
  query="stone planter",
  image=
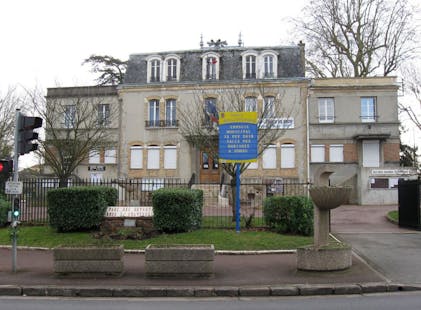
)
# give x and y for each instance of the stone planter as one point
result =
(85, 261)
(329, 258)
(179, 261)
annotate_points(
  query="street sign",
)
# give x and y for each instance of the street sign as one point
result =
(237, 137)
(14, 188)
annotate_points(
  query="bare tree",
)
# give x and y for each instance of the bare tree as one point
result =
(9, 102)
(357, 38)
(74, 127)
(111, 70)
(199, 120)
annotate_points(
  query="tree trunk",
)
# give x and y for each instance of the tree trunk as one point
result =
(63, 182)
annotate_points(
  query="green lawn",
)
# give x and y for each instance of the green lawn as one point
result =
(44, 236)
(393, 216)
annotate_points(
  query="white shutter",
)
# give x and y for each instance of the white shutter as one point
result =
(287, 156)
(110, 156)
(136, 157)
(94, 157)
(371, 153)
(336, 153)
(153, 157)
(253, 165)
(170, 157)
(317, 153)
(269, 157)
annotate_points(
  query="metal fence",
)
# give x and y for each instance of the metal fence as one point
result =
(217, 210)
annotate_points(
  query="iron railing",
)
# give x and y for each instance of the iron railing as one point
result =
(217, 204)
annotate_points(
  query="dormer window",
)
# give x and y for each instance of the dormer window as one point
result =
(268, 65)
(172, 68)
(250, 67)
(210, 66)
(154, 69)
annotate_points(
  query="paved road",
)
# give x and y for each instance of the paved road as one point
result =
(393, 251)
(401, 301)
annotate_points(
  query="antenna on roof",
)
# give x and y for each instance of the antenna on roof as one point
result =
(201, 40)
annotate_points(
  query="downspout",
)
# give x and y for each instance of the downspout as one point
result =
(308, 134)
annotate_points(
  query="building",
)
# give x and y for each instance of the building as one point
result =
(334, 131)
(354, 136)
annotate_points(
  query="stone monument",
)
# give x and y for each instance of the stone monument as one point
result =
(325, 255)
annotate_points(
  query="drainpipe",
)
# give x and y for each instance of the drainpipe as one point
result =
(308, 136)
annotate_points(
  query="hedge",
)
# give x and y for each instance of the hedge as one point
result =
(289, 214)
(177, 210)
(78, 208)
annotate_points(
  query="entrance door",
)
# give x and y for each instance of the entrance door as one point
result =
(209, 168)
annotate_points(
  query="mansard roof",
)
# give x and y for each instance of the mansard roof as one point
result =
(290, 63)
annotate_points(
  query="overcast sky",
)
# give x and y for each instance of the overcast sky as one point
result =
(45, 41)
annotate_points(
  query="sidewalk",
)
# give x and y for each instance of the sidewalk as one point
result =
(235, 275)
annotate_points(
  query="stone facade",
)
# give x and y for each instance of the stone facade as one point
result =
(334, 121)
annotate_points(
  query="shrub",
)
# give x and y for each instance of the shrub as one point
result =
(76, 208)
(4, 209)
(110, 194)
(289, 214)
(177, 210)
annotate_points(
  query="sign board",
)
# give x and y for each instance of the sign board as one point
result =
(13, 188)
(237, 137)
(129, 212)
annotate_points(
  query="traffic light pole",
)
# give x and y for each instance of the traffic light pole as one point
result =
(15, 179)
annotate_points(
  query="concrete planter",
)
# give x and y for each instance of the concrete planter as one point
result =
(179, 261)
(88, 260)
(329, 258)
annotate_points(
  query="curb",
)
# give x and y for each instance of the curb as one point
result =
(260, 291)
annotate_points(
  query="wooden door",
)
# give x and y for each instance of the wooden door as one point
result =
(209, 168)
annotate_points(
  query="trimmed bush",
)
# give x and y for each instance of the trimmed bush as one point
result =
(4, 209)
(289, 214)
(76, 208)
(110, 194)
(177, 210)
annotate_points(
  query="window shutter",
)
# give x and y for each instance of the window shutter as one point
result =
(287, 156)
(136, 157)
(170, 157)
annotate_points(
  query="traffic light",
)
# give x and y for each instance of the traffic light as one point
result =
(26, 126)
(16, 209)
(6, 168)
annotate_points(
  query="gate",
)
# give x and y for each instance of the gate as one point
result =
(409, 203)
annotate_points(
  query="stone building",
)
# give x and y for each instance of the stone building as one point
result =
(354, 136)
(334, 131)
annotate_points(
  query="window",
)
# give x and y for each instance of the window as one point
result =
(336, 153)
(211, 114)
(250, 104)
(326, 110)
(368, 109)
(136, 157)
(287, 156)
(172, 69)
(371, 153)
(69, 116)
(317, 153)
(210, 66)
(253, 165)
(205, 161)
(155, 70)
(269, 157)
(250, 67)
(110, 156)
(153, 157)
(170, 157)
(170, 113)
(268, 66)
(103, 114)
(269, 107)
(384, 183)
(154, 113)
(94, 157)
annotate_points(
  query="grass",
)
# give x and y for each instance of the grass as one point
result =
(44, 236)
(393, 216)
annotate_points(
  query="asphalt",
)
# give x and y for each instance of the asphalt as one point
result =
(257, 274)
